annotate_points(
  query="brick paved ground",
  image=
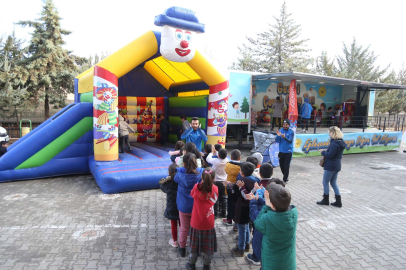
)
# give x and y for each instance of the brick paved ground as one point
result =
(67, 223)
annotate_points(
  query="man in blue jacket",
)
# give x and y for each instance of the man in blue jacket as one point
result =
(285, 139)
(195, 134)
(306, 114)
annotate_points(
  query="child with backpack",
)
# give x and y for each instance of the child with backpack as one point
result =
(202, 234)
(169, 187)
(186, 177)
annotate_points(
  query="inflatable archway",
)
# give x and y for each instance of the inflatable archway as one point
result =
(140, 82)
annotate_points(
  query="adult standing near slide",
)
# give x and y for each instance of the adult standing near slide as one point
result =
(285, 139)
(185, 125)
(195, 134)
(332, 165)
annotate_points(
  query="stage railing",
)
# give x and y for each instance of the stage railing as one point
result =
(384, 123)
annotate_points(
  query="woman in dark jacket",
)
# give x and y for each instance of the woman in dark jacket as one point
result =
(169, 186)
(332, 166)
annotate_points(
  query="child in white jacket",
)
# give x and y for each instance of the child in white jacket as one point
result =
(219, 166)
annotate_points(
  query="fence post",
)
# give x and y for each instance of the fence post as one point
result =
(315, 124)
(384, 124)
(403, 122)
(341, 123)
(379, 127)
(363, 124)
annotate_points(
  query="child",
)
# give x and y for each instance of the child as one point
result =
(3, 148)
(203, 239)
(259, 158)
(255, 175)
(169, 186)
(277, 221)
(219, 165)
(256, 204)
(186, 177)
(164, 128)
(177, 152)
(207, 151)
(123, 133)
(241, 216)
(233, 170)
(189, 146)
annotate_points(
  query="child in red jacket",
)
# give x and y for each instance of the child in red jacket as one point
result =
(202, 236)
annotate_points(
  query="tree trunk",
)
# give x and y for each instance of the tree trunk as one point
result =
(46, 105)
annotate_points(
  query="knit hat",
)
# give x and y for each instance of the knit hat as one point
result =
(286, 121)
(259, 157)
(180, 18)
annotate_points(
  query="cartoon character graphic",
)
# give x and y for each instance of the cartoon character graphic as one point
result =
(179, 26)
(108, 97)
(254, 91)
(147, 122)
(220, 118)
(236, 107)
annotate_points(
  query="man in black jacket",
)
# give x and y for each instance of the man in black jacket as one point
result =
(164, 127)
(3, 148)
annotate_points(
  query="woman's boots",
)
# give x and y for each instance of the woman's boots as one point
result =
(325, 200)
(337, 203)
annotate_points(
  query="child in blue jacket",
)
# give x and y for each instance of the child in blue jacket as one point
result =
(186, 177)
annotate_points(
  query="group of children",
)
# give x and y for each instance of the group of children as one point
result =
(204, 186)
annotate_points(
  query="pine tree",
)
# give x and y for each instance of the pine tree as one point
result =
(245, 107)
(246, 62)
(325, 66)
(280, 48)
(13, 77)
(359, 63)
(392, 101)
(52, 68)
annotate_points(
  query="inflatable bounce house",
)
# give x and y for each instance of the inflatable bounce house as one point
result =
(140, 82)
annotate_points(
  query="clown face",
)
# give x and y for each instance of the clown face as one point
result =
(222, 107)
(177, 44)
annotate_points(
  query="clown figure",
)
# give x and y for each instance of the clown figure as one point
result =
(179, 27)
(220, 119)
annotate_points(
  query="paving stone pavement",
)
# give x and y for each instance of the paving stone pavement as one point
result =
(67, 223)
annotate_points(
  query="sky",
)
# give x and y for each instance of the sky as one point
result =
(106, 26)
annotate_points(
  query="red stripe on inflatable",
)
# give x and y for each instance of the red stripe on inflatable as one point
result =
(141, 101)
(133, 155)
(219, 87)
(105, 74)
(136, 169)
(122, 101)
(119, 160)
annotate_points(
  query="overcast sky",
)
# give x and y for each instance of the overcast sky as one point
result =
(109, 25)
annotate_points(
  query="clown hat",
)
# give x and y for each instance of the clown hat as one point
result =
(180, 18)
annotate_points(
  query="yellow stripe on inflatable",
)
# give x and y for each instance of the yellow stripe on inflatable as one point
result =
(205, 70)
(132, 55)
(186, 70)
(170, 70)
(158, 74)
(194, 93)
(86, 81)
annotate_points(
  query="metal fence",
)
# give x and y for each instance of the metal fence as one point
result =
(384, 123)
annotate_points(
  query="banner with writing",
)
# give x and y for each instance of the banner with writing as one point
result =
(309, 144)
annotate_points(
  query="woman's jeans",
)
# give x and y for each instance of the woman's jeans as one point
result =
(330, 177)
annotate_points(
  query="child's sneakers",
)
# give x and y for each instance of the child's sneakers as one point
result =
(173, 243)
(227, 221)
(252, 259)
